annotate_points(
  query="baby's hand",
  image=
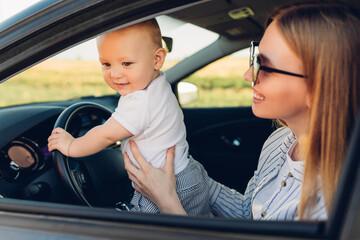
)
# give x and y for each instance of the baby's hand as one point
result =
(60, 140)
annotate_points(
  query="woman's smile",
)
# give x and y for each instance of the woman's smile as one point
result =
(257, 97)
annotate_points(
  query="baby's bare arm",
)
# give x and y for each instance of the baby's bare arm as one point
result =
(92, 142)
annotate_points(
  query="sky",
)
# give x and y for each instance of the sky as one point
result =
(189, 36)
(11, 7)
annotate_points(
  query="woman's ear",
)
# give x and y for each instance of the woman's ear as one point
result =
(160, 55)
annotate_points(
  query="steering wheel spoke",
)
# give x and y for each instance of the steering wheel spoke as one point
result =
(79, 173)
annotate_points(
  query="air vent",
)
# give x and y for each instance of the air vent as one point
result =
(241, 13)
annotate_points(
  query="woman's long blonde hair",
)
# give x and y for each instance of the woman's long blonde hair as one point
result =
(326, 37)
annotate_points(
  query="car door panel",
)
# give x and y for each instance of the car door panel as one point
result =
(227, 141)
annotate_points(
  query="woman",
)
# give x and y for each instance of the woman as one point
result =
(306, 75)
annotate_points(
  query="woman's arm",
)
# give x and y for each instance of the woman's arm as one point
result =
(157, 184)
(228, 202)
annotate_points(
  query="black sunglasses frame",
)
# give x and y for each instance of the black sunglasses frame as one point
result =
(255, 62)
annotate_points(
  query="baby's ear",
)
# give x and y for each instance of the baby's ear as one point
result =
(160, 55)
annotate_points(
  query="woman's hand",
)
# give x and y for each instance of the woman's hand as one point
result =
(157, 184)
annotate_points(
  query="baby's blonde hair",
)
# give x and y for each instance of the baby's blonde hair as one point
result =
(151, 27)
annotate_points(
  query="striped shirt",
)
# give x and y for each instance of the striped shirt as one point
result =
(192, 187)
(273, 193)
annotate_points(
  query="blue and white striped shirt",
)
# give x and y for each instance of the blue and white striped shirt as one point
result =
(273, 193)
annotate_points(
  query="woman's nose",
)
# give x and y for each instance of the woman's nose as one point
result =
(249, 75)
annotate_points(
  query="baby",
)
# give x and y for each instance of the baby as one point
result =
(147, 112)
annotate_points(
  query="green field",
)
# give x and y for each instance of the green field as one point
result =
(220, 84)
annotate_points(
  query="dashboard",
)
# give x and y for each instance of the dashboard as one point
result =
(26, 166)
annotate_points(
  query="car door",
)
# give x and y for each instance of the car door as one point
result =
(227, 141)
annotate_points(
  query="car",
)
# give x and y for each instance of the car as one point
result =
(48, 196)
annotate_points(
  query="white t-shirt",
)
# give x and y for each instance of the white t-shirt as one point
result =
(155, 119)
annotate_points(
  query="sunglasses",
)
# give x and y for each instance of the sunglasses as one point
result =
(255, 62)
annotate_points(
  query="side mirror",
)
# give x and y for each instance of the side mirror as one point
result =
(187, 92)
(167, 43)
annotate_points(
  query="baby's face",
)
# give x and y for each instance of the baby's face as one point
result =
(128, 60)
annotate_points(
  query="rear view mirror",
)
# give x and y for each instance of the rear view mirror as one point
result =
(187, 92)
(167, 43)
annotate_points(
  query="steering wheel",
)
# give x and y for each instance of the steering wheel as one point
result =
(98, 180)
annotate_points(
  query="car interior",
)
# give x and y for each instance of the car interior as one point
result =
(226, 140)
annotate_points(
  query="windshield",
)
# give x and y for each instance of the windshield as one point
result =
(76, 72)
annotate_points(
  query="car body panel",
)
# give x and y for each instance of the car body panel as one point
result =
(68, 219)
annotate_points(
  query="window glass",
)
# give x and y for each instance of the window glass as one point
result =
(221, 84)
